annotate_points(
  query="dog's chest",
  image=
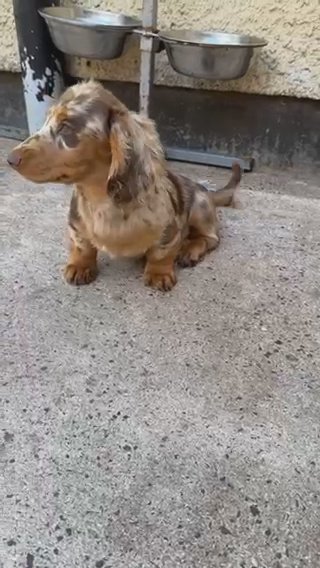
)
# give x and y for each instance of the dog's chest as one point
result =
(122, 231)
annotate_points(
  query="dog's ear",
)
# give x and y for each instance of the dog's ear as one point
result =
(119, 143)
(124, 173)
(107, 118)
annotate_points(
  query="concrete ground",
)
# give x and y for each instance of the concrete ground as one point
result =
(143, 430)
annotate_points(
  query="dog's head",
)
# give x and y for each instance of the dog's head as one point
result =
(84, 136)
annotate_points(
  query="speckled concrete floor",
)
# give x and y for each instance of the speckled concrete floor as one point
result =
(143, 430)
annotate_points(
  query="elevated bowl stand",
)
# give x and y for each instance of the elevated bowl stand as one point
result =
(149, 23)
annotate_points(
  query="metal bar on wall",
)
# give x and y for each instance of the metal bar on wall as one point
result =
(149, 22)
(41, 63)
(208, 159)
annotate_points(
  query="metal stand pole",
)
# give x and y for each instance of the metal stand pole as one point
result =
(41, 63)
(149, 22)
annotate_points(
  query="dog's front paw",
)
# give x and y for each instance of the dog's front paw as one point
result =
(160, 280)
(79, 275)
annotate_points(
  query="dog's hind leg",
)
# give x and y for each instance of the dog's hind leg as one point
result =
(195, 248)
(203, 221)
(203, 233)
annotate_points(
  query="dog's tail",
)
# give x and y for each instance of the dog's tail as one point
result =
(224, 197)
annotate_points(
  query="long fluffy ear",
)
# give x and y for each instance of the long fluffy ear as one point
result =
(119, 145)
(127, 175)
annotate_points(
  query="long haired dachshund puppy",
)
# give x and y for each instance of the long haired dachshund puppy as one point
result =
(125, 201)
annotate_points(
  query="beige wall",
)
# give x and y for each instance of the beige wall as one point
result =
(289, 65)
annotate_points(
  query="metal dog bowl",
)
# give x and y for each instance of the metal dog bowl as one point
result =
(89, 33)
(209, 55)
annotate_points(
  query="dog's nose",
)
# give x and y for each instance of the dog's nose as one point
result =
(14, 158)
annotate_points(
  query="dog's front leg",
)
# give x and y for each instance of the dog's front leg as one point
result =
(160, 271)
(81, 267)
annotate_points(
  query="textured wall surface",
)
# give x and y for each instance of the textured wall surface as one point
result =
(8, 44)
(289, 65)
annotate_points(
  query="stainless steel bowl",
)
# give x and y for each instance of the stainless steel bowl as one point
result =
(89, 33)
(209, 55)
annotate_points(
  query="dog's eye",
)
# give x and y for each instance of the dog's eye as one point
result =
(68, 135)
